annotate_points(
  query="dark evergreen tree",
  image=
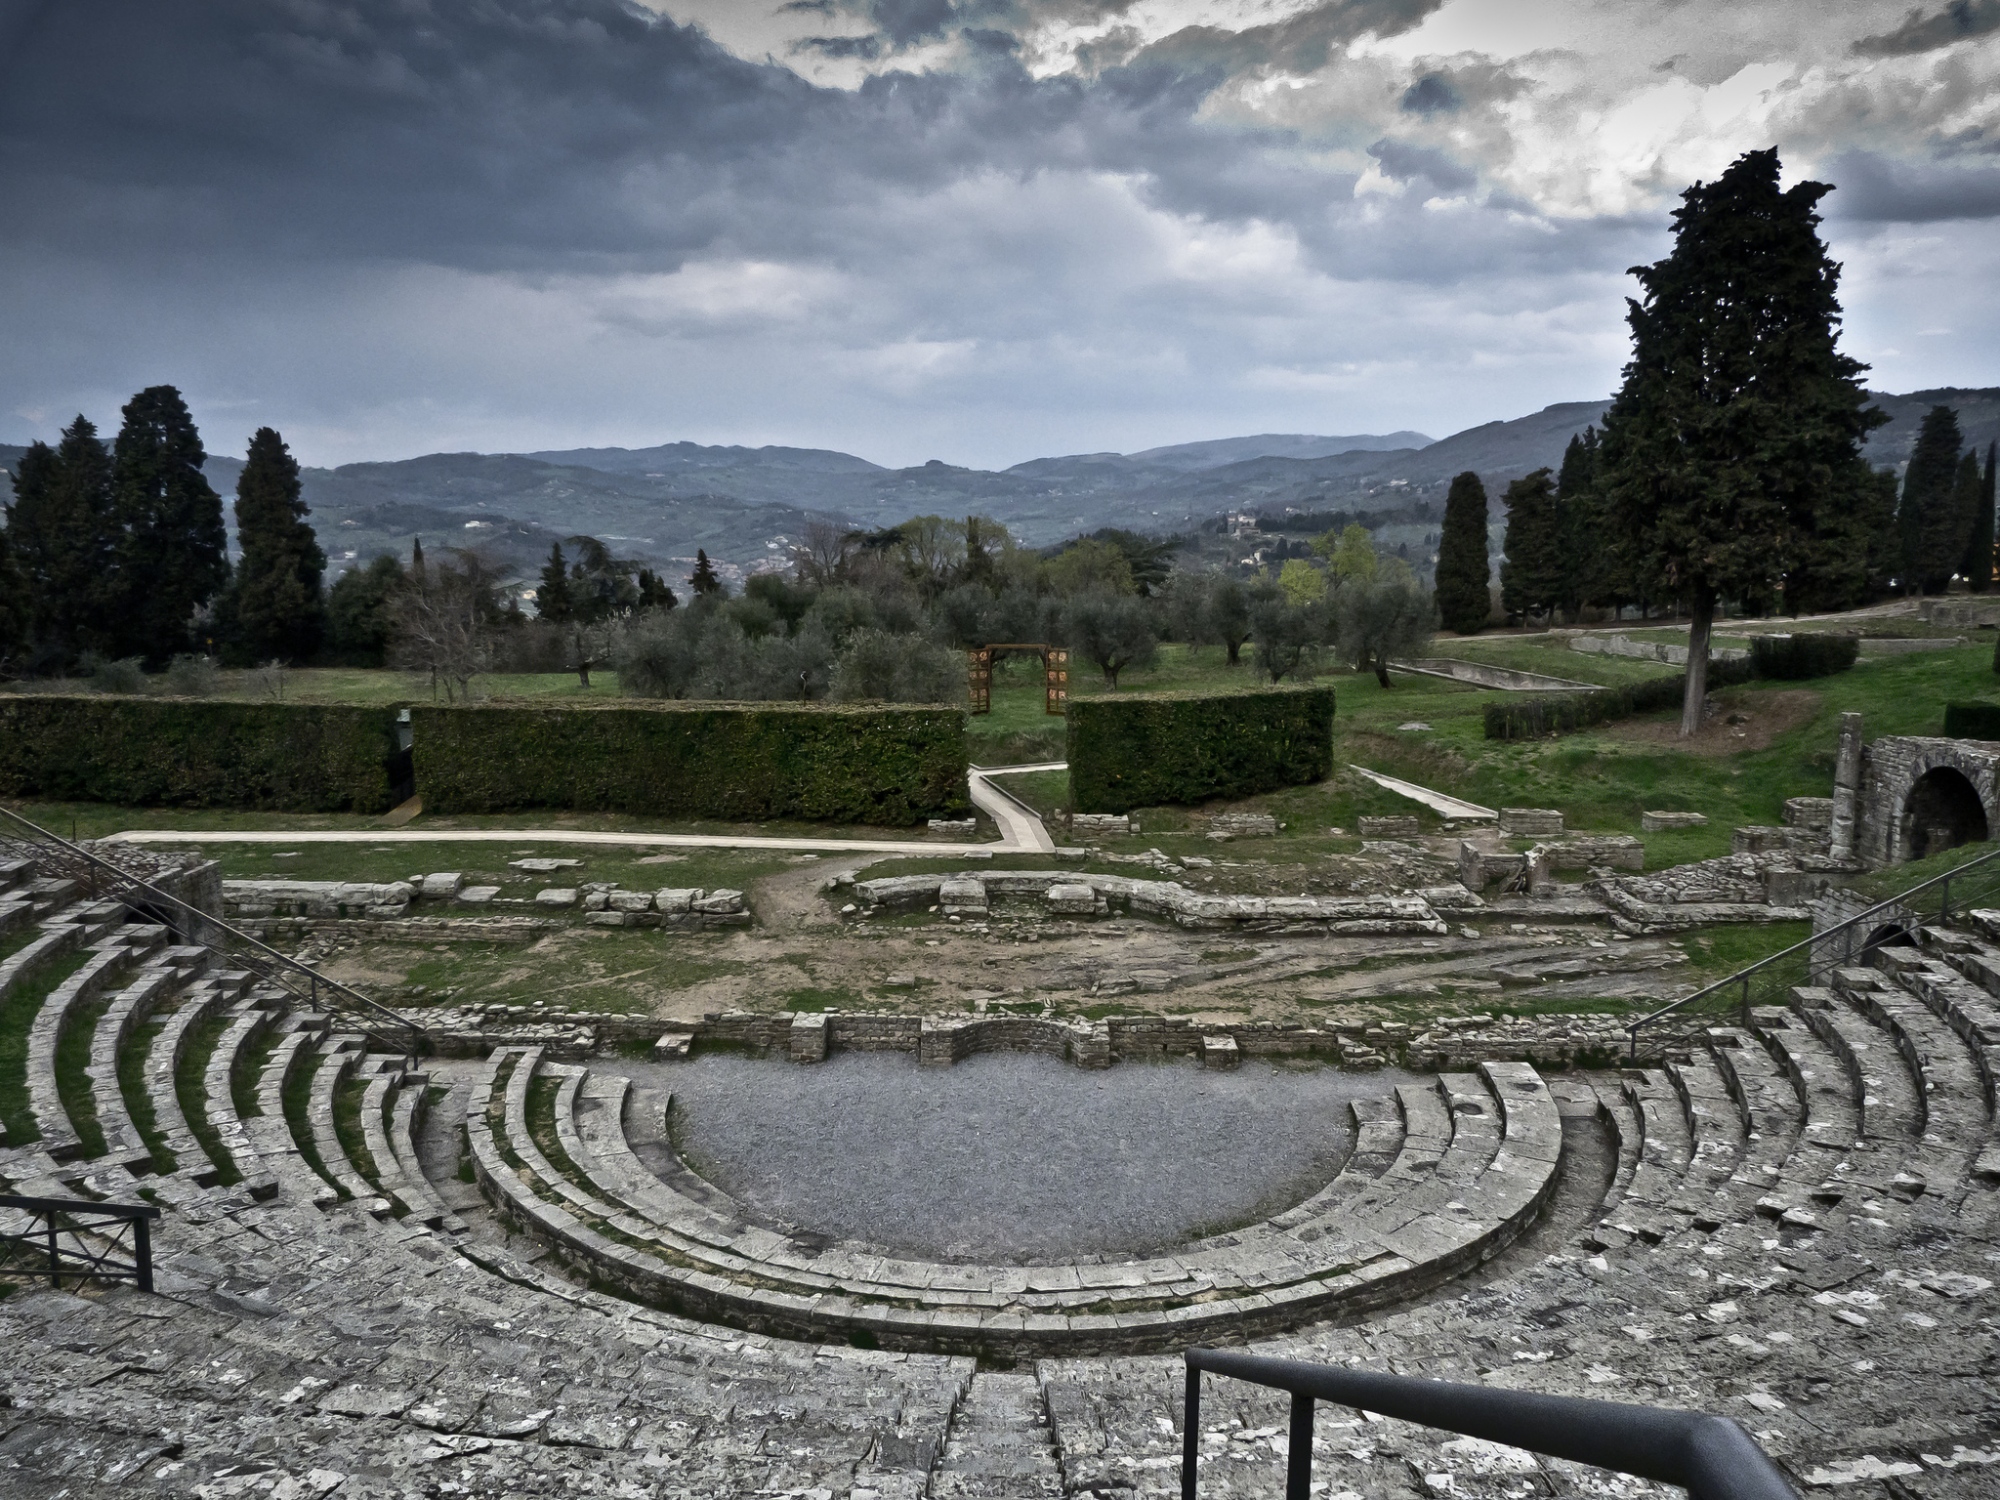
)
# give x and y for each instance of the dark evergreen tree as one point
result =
(1598, 575)
(552, 597)
(13, 607)
(274, 610)
(1737, 413)
(1858, 551)
(653, 591)
(1984, 537)
(416, 557)
(1933, 542)
(1464, 572)
(704, 580)
(1534, 572)
(174, 552)
(358, 613)
(1974, 494)
(65, 544)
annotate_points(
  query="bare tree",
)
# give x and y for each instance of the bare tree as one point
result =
(443, 620)
(823, 552)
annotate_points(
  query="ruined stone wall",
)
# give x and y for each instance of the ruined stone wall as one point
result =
(1891, 767)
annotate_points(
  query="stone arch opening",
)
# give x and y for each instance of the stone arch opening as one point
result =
(1943, 811)
(1889, 935)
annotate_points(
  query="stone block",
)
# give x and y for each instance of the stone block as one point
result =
(807, 1040)
(1100, 825)
(562, 897)
(719, 903)
(956, 827)
(676, 902)
(1814, 813)
(1244, 825)
(609, 919)
(1477, 869)
(630, 901)
(477, 895)
(1531, 822)
(1220, 1052)
(1395, 826)
(1067, 900)
(1620, 851)
(673, 1046)
(543, 866)
(442, 886)
(596, 900)
(962, 898)
(1664, 822)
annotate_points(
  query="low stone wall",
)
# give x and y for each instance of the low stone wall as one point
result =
(1663, 822)
(1060, 892)
(1619, 645)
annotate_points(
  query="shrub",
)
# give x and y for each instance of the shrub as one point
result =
(191, 676)
(884, 668)
(123, 677)
(282, 757)
(1793, 658)
(1145, 750)
(740, 762)
(1524, 718)
(1972, 721)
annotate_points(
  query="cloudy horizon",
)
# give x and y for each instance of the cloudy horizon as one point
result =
(976, 230)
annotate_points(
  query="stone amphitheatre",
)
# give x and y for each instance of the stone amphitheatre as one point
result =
(954, 1246)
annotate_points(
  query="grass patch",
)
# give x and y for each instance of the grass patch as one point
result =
(17, 1017)
(138, 1103)
(1717, 952)
(297, 1100)
(250, 1067)
(73, 1048)
(191, 1088)
(348, 1100)
(616, 970)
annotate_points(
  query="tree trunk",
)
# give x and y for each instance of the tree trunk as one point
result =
(583, 674)
(1234, 648)
(1382, 670)
(1700, 619)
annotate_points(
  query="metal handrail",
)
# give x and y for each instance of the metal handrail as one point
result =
(85, 1264)
(1711, 1457)
(1841, 932)
(267, 963)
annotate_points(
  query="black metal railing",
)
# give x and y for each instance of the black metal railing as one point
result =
(1712, 1458)
(54, 854)
(79, 1239)
(1770, 980)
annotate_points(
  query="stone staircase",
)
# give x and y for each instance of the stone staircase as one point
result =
(1798, 1231)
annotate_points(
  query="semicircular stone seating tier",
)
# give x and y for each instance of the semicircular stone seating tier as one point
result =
(1477, 1160)
(1801, 1231)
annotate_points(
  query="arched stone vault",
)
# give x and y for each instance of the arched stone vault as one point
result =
(1892, 767)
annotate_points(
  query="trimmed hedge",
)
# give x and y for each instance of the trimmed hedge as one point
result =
(1563, 713)
(890, 765)
(182, 752)
(1159, 749)
(1793, 658)
(1972, 721)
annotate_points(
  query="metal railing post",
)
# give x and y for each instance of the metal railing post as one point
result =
(55, 1257)
(1746, 1002)
(1944, 900)
(142, 1253)
(1191, 1431)
(1299, 1449)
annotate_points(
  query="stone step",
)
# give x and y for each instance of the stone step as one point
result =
(115, 956)
(999, 1444)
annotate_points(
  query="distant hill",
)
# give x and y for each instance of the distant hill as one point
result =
(745, 506)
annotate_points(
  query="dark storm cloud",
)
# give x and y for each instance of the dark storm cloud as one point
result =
(1430, 95)
(1924, 33)
(1876, 188)
(1406, 163)
(521, 136)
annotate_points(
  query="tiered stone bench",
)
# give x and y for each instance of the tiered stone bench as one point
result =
(1473, 1169)
(114, 955)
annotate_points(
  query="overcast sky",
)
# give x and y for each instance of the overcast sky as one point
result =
(976, 230)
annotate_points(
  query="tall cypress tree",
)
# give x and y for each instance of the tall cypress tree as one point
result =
(552, 597)
(1978, 567)
(1934, 534)
(1533, 573)
(65, 546)
(1737, 412)
(704, 580)
(174, 551)
(275, 608)
(1463, 569)
(13, 606)
(1598, 574)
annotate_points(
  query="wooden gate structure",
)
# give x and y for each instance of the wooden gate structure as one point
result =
(1055, 674)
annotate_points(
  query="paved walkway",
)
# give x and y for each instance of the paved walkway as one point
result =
(1438, 802)
(1021, 832)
